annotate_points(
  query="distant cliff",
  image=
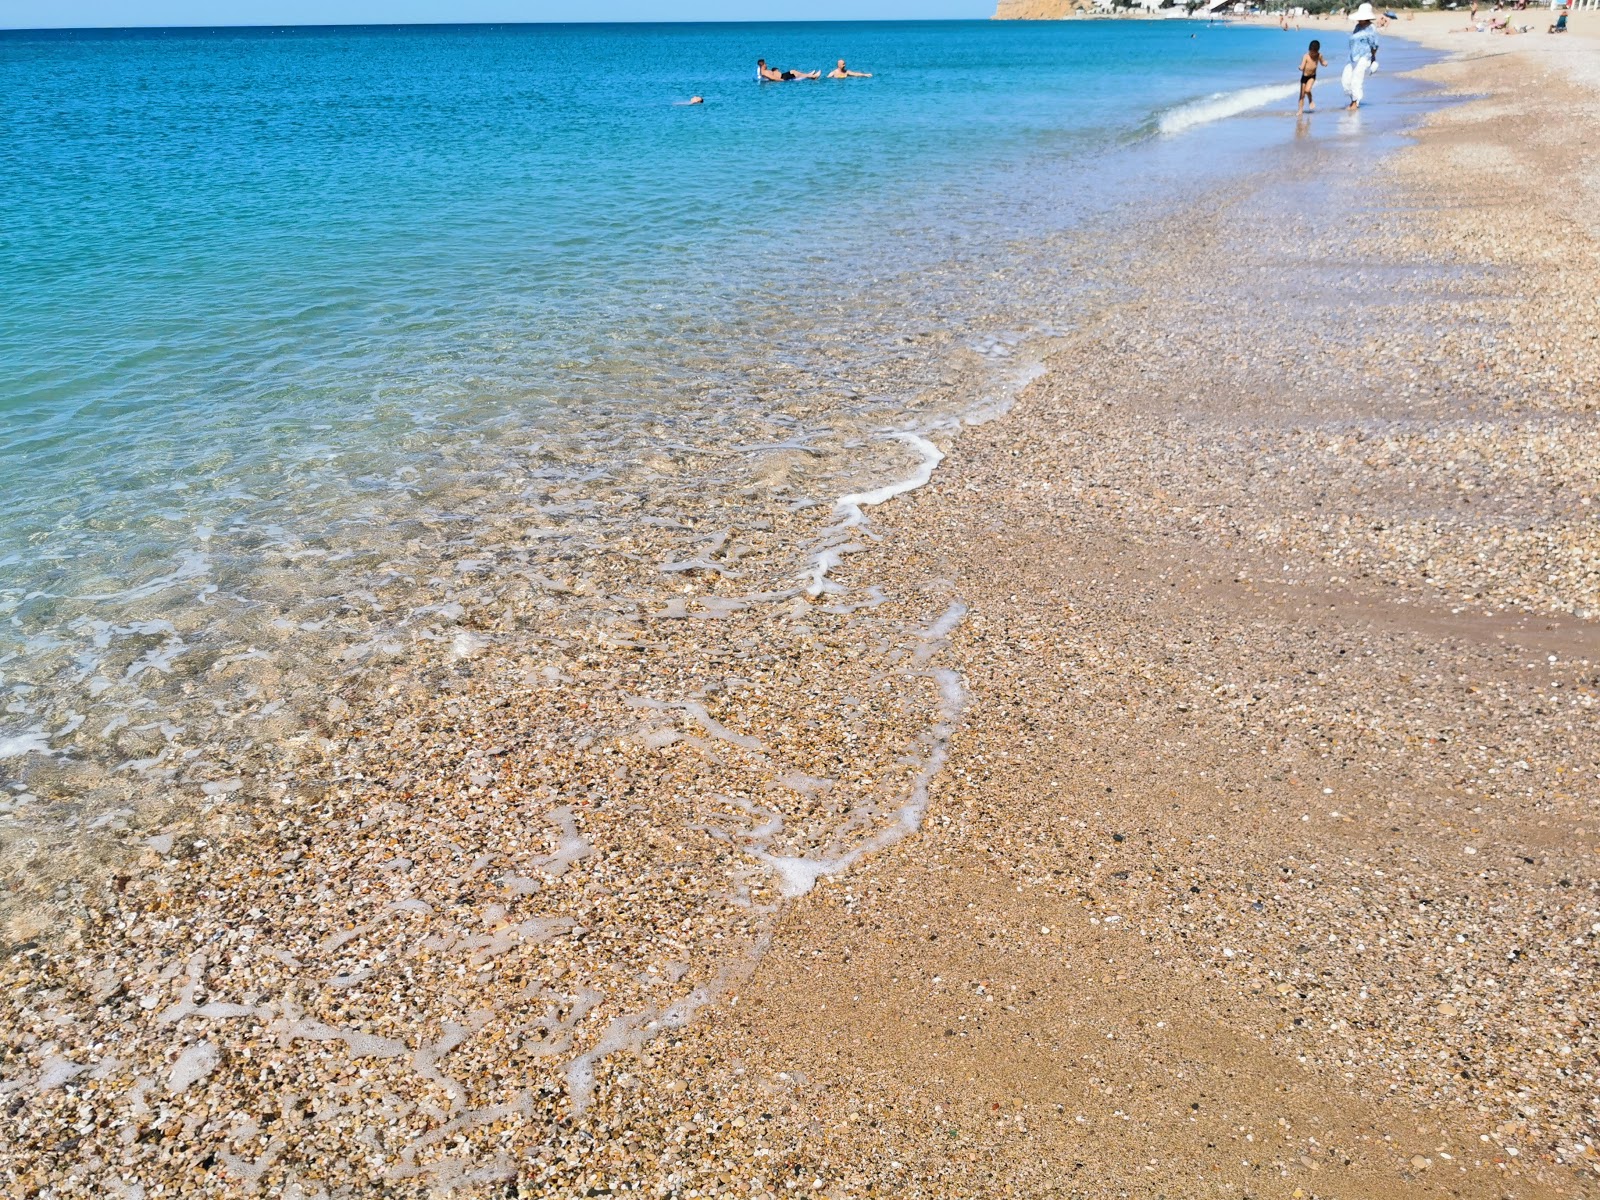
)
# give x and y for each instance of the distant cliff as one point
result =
(1038, 10)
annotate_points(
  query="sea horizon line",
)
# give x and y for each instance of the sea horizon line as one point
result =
(437, 25)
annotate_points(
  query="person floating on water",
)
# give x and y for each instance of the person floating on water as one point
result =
(1308, 76)
(1363, 56)
(840, 72)
(766, 74)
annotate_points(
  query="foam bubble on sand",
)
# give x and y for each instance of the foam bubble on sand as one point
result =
(219, 1011)
(425, 1062)
(532, 932)
(57, 1072)
(817, 581)
(992, 408)
(1221, 105)
(361, 1045)
(193, 1065)
(570, 848)
(34, 741)
(797, 876)
(468, 645)
(248, 1171)
(189, 565)
(934, 637)
(159, 659)
(806, 785)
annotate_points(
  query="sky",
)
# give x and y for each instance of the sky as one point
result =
(38, 14)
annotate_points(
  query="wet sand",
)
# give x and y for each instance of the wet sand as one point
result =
(1265, 860)
(1261, 864)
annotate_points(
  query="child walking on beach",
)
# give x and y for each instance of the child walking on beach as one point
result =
(1308, 76)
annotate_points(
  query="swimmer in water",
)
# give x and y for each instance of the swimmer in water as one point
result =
(840, 72)
(696, 100)
(766, 74)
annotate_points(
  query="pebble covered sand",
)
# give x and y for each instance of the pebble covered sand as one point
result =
(1193, 791)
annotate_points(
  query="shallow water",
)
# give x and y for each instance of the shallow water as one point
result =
(308, 337)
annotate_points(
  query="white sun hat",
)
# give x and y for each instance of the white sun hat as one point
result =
(1364, 13)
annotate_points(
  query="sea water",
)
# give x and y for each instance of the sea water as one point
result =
(295, 320)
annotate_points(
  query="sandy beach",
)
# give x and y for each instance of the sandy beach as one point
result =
(1265, 863)
(1230, 828)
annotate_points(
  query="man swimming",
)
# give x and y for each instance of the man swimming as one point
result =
(840, 72)
(766, 74)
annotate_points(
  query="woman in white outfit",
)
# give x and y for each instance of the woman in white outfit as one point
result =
(1363, 56)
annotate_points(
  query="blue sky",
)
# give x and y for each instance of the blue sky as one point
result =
(28, 14)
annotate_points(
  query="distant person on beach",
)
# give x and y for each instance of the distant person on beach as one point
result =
(840, 72)
(766, 74)
(1363, 57)
(1308, 76)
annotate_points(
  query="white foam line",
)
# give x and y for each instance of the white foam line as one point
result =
(848, 511)
(818, 582)
(520, 1106)
(1221, 105)
(631, 1031)
(797, 875)
(697, 712)
(191, 565)
(936, 635)
(792, 445)
(849, 507)
(994, 409)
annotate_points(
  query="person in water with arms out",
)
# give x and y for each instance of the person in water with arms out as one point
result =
(840, 72)
(766, 74)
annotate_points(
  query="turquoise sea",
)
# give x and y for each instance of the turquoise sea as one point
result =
(290, 318)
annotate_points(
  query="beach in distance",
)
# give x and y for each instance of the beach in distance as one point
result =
(1017, 621)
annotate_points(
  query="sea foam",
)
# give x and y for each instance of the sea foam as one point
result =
(1220, 105)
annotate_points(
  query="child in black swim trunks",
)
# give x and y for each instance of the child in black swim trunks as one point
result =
(1308, 76)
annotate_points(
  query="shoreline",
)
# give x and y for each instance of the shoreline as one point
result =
(835, 1054)
(1143, 962)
